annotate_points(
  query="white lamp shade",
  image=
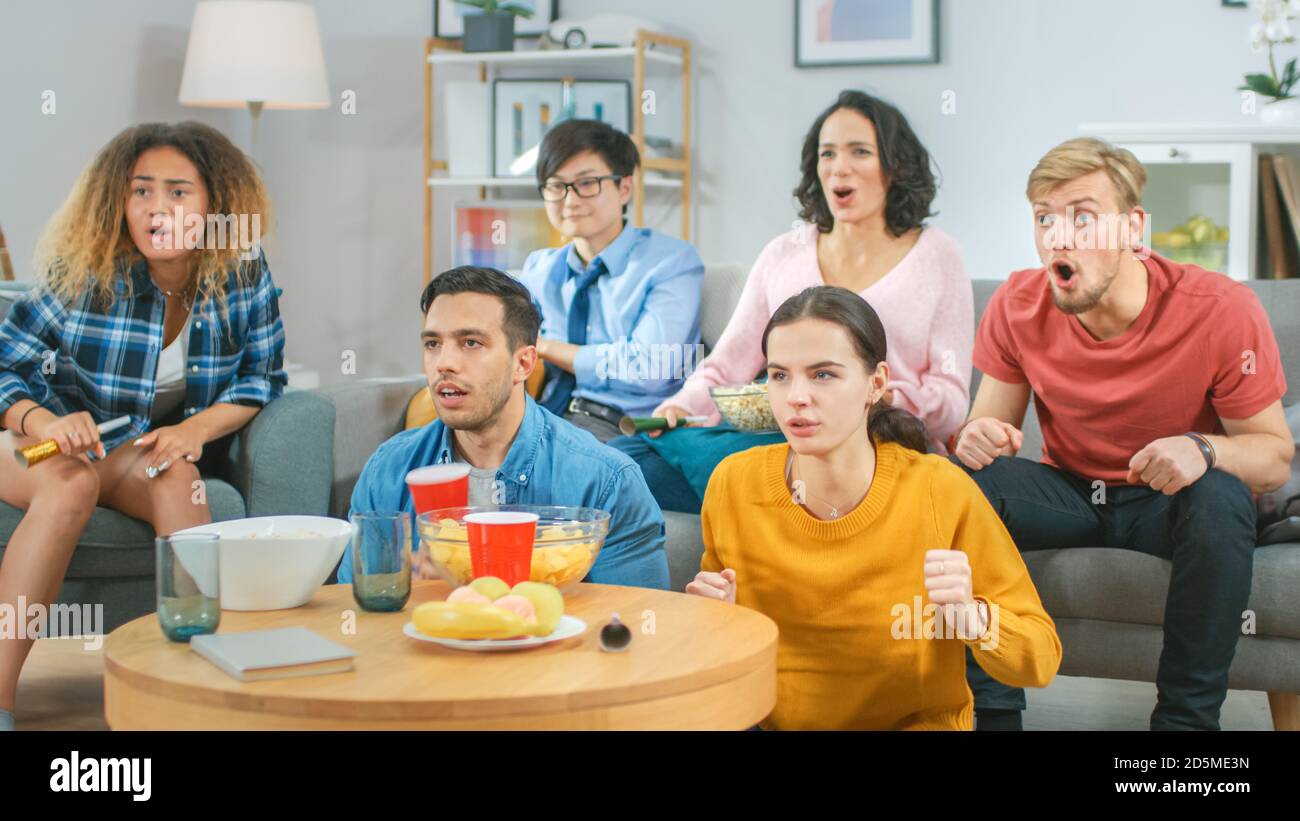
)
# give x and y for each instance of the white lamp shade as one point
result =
(243, 51)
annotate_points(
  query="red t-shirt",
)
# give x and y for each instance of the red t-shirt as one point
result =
(1201, 350)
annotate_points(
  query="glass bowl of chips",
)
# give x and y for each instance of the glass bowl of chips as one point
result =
(567, 543)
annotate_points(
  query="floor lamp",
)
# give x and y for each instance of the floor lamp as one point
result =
(255, 54)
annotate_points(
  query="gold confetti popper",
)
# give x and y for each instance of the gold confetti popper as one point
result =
(39, 452)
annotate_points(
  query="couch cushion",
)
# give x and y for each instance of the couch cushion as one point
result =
(116, 545)
(1111, 584)
(685, 548)
(718, 297)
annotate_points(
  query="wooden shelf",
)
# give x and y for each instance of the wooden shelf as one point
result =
(543, 57)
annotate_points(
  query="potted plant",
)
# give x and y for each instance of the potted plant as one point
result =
(1273, 29)
(494, 28)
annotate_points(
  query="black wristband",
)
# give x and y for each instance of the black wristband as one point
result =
(1206, 450)
(22, 423)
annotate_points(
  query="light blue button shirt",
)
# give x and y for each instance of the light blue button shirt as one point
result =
(643, 327)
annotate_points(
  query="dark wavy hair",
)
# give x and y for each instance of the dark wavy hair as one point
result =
(520, 319)
(905, 162)
(852, 313)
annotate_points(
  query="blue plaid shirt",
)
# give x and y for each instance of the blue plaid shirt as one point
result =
(104, 359)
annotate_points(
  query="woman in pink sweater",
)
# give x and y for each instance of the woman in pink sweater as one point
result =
(865, 192)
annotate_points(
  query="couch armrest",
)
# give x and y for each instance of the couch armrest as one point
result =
(368, 412)
(280, 462)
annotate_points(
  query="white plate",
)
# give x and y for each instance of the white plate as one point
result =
(568, 627)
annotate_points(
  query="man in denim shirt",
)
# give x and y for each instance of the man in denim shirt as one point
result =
(480, 335)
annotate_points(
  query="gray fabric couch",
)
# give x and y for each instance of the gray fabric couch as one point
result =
(279, 463)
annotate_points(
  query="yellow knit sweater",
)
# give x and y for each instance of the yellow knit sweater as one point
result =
(861, 645)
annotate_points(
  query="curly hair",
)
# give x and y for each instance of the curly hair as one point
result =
(87, 245)
(904, 161)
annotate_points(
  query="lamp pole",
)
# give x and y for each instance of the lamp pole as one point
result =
(255, 108)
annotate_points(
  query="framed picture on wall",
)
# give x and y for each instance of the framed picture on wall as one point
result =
(609, 101)
(448, 18)
(865, 32)
(524, 110)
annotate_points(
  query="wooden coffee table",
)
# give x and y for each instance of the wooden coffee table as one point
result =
(706, 665)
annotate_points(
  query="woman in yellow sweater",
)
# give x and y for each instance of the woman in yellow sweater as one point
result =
(880, 564)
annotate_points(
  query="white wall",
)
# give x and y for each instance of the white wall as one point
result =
(347, 188)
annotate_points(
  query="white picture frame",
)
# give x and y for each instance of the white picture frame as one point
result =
(865, 32)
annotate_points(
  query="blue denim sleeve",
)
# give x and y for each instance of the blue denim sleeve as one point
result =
(634, 552)
(362, 499)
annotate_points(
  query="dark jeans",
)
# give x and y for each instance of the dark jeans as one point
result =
(1207, 530)
(667, 484)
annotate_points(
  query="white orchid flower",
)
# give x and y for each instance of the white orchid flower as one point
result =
(1257, 38)
(1278, 31)
(1269, 9)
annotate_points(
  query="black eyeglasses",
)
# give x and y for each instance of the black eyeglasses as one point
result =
(586, 187)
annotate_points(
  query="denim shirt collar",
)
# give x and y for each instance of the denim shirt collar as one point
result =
(614, 256)
(517, 469)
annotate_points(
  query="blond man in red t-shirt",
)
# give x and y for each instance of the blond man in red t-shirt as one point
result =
(1158, 388)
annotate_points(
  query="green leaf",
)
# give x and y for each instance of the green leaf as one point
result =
(517, 9)
(1262, 84)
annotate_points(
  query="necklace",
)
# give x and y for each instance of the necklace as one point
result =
(182, 294)
(835, 509)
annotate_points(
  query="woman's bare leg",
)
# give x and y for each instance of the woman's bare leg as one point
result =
(58, 496)
(170, 502)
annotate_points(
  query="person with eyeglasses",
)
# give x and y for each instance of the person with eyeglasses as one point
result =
(620, 305)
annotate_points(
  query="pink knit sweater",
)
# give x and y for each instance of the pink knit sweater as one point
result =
(925, 303)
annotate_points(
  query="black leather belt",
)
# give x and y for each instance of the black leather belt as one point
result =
(610, 415)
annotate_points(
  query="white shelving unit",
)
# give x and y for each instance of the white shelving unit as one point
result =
(1205, 168)
(527, 182)
(541, 57)
(650, 48)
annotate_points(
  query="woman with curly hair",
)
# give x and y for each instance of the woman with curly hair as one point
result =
(151, 303)
(865, 193)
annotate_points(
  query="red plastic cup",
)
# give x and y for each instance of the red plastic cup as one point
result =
(439, 486)
(501, 544)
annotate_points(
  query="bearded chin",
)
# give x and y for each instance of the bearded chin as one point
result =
(1079, 305)
(1083, 302)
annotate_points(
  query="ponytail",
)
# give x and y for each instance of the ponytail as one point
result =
(886, 423)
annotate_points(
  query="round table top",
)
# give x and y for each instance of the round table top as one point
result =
(693, 663)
